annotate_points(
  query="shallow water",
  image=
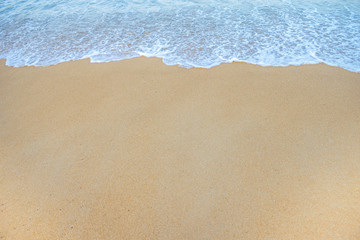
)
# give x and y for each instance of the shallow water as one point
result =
(189, 33)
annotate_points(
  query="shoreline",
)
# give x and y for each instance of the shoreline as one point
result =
(3, 62)
(136, 149)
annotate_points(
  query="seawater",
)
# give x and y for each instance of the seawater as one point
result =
(189, 33)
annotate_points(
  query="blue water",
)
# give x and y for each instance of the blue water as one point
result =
(189, 33)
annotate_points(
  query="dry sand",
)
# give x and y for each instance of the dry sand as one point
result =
(139, 150)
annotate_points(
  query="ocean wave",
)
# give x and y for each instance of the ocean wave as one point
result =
(192, 33)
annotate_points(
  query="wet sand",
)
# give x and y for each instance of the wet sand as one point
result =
(139, 150)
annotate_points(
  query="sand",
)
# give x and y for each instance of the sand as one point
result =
(139, 150)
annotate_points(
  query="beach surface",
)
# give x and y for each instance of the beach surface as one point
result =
(139, 150)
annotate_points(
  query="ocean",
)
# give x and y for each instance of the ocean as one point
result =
(188, 33)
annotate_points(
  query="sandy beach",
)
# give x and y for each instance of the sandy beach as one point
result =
(136, 149)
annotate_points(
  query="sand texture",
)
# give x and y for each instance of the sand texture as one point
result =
(139, 150)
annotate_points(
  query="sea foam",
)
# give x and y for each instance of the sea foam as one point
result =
(189, 33)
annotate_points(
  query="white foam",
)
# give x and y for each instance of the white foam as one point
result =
(189, 33)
